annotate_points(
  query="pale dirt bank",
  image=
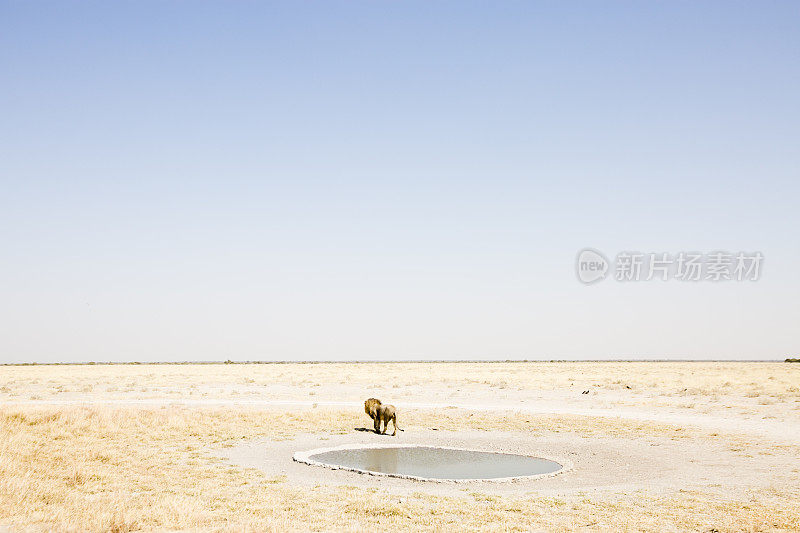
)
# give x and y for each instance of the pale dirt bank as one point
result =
(600, 466)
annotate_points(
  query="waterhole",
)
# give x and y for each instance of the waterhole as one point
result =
(434, 463)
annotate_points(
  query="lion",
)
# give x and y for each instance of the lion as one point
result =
(380, 412)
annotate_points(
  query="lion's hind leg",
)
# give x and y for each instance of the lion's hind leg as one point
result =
(394, 424)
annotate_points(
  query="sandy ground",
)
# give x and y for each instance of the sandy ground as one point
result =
(607, 467)
(672, 446)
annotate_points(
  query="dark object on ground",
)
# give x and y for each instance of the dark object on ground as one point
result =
(790, 360)
(585, 392)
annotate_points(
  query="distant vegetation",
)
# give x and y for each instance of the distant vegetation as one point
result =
(790, 360)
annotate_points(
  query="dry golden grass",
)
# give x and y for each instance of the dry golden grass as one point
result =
(758, 391)
(124, 469)
(107, 468)
(664, 379)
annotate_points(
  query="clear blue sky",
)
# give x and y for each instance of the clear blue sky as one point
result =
(373, 180)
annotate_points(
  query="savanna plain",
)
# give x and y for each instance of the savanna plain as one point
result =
(649, 446)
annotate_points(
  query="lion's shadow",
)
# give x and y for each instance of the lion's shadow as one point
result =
(370, 430)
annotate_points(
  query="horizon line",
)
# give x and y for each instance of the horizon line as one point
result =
(391, 361)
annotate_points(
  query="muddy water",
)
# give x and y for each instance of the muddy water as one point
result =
(438, 463)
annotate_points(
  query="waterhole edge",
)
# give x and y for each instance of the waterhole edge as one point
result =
(305, 457)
